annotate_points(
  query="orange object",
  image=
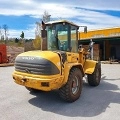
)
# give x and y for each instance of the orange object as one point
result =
(3, 53)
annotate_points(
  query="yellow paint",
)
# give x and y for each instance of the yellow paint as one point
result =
(103, 33)
(55, 81)
(68, 67)
(58, 80)
(34, 81)
(111, 32)
(89, 66)
(49, 55)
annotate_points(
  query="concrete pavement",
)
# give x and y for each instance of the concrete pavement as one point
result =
(95, 103)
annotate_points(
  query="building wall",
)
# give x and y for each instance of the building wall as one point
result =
(115, 49)
(108, 40)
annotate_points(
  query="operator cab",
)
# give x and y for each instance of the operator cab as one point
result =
(62, 35)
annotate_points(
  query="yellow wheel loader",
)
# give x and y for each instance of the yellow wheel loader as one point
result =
(60, 65)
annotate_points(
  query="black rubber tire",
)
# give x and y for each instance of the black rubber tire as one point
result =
(95, 77)
(66, 92)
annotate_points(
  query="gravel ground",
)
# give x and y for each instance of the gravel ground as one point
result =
(96, 103)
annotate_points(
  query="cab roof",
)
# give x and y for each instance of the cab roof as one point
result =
(61, 21)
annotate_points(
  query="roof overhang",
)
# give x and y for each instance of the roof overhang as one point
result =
(61, 21)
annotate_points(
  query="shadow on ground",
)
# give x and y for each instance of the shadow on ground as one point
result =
(93, 100)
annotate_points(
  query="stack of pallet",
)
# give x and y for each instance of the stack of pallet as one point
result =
(96, 51)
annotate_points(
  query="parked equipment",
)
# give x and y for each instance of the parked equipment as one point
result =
(60, 65)
(3, 53)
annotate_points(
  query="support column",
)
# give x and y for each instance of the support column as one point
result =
(107, 49)
(104, 50)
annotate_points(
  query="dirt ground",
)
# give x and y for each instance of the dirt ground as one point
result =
(12, 52)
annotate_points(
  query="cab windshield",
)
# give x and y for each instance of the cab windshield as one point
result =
(62, 37)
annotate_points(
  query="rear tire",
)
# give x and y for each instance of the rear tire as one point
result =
(95, 77)
(72, 89)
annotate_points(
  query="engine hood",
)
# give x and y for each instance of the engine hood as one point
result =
(38, 53)
(38, 62)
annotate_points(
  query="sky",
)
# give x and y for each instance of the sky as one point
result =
(22, 15)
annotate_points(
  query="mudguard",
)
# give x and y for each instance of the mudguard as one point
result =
(89, 66)
(68, 67)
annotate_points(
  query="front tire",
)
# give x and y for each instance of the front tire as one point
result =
(95, 77)
(72, 89)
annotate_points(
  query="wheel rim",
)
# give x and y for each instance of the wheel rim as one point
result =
(75, 85)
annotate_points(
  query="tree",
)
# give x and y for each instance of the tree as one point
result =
(5, 27)
(16, 40)
(37, 42)
(46, 17)
(22, 35)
